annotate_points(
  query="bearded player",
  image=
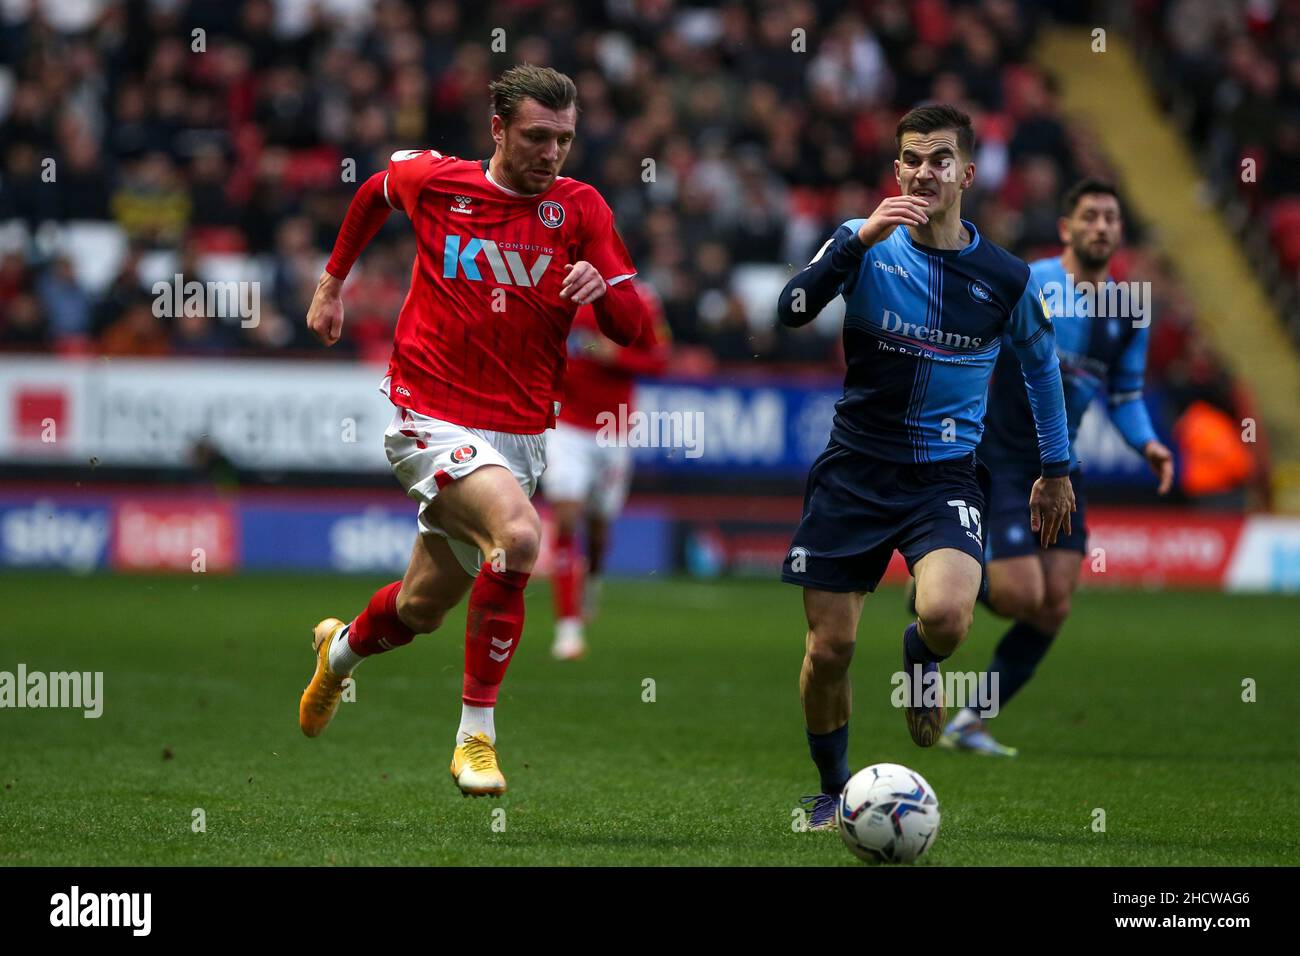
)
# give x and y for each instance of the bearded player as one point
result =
(927, 301)
(506, 251)
(1101, 353)
(588, 470)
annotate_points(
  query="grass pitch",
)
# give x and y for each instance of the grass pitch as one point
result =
(1137, 711)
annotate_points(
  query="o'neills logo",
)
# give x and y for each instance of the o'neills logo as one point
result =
(893, 322)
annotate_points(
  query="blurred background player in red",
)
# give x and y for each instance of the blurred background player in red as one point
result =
(589, 469)
(507, 251)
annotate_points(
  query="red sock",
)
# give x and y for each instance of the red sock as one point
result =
(378, 628)
(566, 576)
(495, 622)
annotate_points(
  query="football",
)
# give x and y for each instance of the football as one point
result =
(888, 814)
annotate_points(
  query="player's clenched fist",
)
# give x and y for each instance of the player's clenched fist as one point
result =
(583, 283)
(325, 316)
(1050, 503)
(889, 215)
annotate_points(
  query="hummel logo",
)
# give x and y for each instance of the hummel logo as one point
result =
(462, 202)
(505, 649)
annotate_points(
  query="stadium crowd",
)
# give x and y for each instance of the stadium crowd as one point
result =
(730, 139)
(1233, 70)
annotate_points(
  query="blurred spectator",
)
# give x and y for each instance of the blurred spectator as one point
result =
(151, 206)
(137, 332)
(24, 328)
(65, 302)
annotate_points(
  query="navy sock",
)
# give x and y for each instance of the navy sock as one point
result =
(830, 752)
(1016, 657)
(916, 648)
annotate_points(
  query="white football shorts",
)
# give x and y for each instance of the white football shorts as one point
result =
(579, 468)
(427, 454)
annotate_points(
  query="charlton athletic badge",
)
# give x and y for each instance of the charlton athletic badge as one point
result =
(551, 214)
(463, 454)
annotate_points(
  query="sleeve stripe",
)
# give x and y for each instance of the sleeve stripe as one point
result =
(822, 251)
(386, 199)
(1122, 397)
(1042, 330)
(617, 279)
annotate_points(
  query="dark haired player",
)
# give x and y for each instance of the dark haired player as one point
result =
(1099, 353)
(927, 306)
(506, 252)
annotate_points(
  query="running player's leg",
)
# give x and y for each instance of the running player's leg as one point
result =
(1038, 621)
(1016, 588)
(947, 582)
(941, 539)
(1015, 585)
(838, 555)
(1025, 645)
(1013, 588)
(488, 508)
(570, 478)
(1037, 592)
(567, 569)
(614, 479)
(434, 583)
(825, 692)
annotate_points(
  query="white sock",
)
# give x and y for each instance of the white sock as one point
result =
(343, 659)
(476, 720)
(964, 717)
(568, 630)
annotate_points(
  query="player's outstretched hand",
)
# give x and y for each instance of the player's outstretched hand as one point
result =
(1050, 503)
(1161, 460)
(583, 283)
(890, 214)
(325, 315)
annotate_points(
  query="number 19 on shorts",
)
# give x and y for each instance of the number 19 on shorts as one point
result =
(969, 516)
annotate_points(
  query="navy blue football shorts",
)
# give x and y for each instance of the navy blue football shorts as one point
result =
(1007, 521)
(857, 511)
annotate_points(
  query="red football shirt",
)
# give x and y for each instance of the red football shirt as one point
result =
(594, 385)
(480, 339)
